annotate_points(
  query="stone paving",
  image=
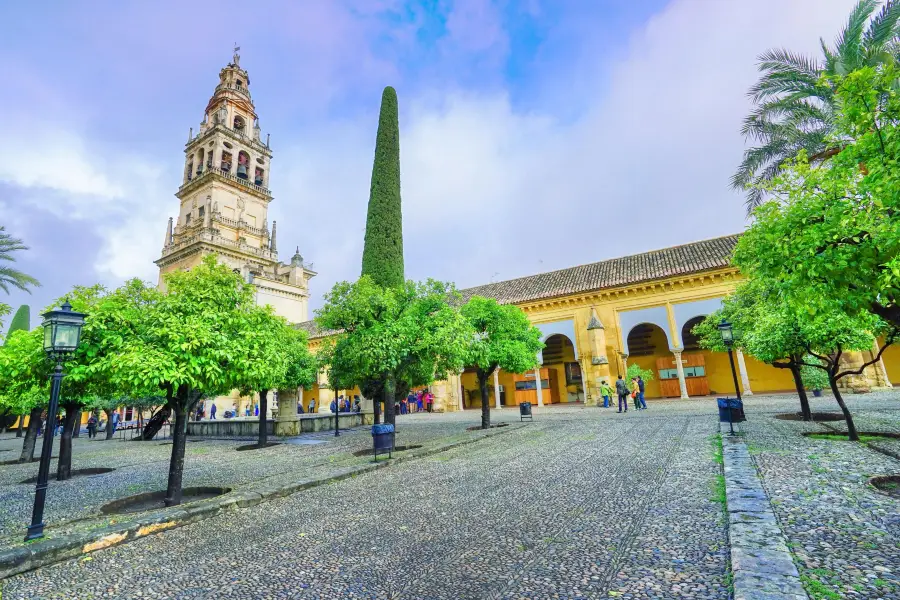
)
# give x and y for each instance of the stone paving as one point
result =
(583, 503)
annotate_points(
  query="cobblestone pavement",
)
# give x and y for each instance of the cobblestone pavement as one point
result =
(583, 503)
(579, 504)
(845, 537)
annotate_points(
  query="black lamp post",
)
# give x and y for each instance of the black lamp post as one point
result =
(62, 332)
(337, 413)
(727, 333)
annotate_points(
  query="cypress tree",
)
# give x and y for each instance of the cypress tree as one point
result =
(21, 320)
(383, 251)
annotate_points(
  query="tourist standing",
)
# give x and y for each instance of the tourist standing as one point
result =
(622, 391)
(333, 406)
(429, 400)
(420, 401)
(635, 390)
(212, 411)
(312, 405)
(92, 426)
(606, 392)
(641, 392)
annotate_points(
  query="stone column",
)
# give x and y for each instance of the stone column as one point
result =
(462, 404)
(497, 388)
(742, 369)
(287, 421)
(680, 368)
(537, 383)
(881, 368)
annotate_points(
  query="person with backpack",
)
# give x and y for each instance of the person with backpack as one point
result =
(635, 390)
(622, 391)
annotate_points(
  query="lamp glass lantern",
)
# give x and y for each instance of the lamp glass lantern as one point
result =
(62, 330)
(727, 332)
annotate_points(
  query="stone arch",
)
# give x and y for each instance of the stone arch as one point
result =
(560, 358)
(689, 341)
(648, 344)
(628, 320)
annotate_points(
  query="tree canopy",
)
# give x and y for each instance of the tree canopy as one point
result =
(501, 337)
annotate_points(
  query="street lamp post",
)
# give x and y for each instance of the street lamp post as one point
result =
(62, 332)
(727, 333)
(337, 413)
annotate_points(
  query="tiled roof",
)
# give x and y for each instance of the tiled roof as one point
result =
(686, 259)
(696, 257)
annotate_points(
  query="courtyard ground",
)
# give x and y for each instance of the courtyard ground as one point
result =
(582, 503)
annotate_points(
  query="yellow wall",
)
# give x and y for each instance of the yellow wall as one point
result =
(766, 378)
(661, 350)
(891, 358)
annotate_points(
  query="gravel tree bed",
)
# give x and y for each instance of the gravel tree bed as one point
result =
(842, 532)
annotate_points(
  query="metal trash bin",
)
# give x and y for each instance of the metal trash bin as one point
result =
(731, 410)
(383, 440)
(525, 411)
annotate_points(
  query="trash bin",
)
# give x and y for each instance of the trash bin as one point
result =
(732, 405)
(525, 411)
(383, 439)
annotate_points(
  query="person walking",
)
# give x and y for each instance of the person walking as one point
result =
(635, 390)
(334, 406)
(420, 402)
(641, 392)
(429, 400)
(115, 421)
(606, 392)
(312, 405)
(92, 426)
(212, 411)
(622, 391)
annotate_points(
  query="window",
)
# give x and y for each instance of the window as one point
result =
(531, 385)
(238, 82)
(239, 123)
(187, 219)
(202, 211)
(573, 373)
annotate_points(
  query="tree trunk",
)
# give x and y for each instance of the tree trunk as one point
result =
(76, 431)
(851, 428)
(376, 406)
(263, 407)
(64, 464)
(176, 463)
(389, 416)
(156, 423)
(801, 391)
(21, 424)
(485, 402)
(34, 421)
(110, 432)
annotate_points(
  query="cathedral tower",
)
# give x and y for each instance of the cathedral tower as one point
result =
(225, 199)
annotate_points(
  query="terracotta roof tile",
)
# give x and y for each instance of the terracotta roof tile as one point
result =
(696, 257)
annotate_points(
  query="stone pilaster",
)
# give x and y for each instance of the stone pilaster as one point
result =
(680, 368)
(742, 368)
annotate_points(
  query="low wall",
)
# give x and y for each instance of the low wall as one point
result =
(280, 427)
(228, 428)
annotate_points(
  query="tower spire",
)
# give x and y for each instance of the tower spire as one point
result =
(272, 245)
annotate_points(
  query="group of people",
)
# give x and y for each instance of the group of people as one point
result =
(341, 404)
(419, 401)
(636, 391)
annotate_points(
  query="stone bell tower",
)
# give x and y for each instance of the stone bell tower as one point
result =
(224, 201)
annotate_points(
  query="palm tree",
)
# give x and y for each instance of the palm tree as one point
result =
(8, 275)
(794, 109)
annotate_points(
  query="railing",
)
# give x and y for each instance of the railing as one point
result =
(240, 224)
(209, 236)
(230, 131)
(233, 88)
(226, 175)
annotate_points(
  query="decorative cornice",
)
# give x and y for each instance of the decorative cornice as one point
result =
(214, 174)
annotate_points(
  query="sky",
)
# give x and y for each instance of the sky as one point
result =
(535, 134)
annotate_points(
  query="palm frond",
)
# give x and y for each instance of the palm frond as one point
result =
(9, 276)
(781, 59)
(849, 43)
(777, 84)
(883, 28)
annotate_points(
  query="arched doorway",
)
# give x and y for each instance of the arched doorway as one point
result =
(563, 369)
(648, 347)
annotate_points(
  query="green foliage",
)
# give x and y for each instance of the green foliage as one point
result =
(197, 339)
(8, 275)
(814, 378)
(408, 334)
(634, 370)
(796, 109)
(833, 236)
(383, 251)
(503, 337)
(24, 372)
(21, 320)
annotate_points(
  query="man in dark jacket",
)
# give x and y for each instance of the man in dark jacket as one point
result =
(640, 397)
(622, 391)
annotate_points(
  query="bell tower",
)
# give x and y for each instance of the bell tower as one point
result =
(224, 201)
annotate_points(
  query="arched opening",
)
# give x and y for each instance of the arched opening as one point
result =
(258, 176)
(201, 154)
(243, 162)
(226, 161)
(688, 338)
(239, 123)
(648, 347)
(563, 370)
(190, 169)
